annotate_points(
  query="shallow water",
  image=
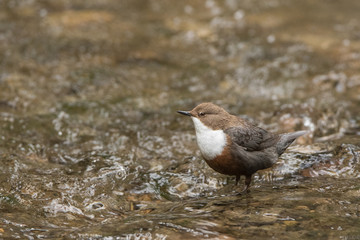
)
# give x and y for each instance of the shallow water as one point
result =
(91, 146)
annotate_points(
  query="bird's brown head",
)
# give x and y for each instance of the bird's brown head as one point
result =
(211, 115)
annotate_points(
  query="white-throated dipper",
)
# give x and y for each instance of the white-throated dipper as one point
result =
(233, 146)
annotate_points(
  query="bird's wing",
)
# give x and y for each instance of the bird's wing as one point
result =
(251, 137)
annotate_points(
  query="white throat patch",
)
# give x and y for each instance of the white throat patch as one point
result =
(211, 142)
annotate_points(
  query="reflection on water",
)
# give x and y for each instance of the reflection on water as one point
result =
(91, 146)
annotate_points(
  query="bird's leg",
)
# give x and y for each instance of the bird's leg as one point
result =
(247, 184)
(237, 179)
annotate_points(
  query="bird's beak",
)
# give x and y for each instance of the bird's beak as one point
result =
(185, 113)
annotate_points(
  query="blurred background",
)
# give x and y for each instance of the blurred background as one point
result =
(91, 146)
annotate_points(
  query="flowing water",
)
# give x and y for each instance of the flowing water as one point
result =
(91, 146)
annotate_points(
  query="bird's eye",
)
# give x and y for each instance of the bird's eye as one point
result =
(201, 114)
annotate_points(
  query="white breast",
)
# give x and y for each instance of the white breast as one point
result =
(211, 142)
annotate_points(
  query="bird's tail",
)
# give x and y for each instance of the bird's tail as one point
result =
(286, 139)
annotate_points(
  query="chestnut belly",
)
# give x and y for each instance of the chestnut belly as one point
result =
(226, 164)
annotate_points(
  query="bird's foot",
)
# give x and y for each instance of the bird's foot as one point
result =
(244, 191)
(247, 185)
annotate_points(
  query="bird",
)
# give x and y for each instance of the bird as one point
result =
(234, 146)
